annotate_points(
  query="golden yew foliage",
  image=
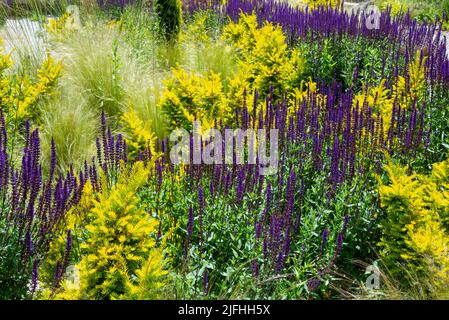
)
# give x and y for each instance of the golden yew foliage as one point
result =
(119, 256)
(139, 135)
(19, 94)
(321, 3)
(68, 22)
(188, 97)
(57, 25)
(415, 226)
(5, 59)
(413, 86)
(265, 64)
(265, 61)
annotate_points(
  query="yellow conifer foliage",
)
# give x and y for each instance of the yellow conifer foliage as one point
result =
(325, 3)
(5, 59)
(405, 92)
(415, 226)
(189, 97)
(265, 61)
(57, 25)
(139, 135)
(413, 87)
(119, 258)
(19, 94)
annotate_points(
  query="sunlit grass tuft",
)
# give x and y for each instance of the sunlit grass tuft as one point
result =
(73, 126)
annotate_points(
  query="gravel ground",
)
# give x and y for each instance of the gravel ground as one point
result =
(25, 35)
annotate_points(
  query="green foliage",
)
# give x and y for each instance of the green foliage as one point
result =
(224, 246)
(169, 15)
(445, 8)
(338, 59)
(36, 8)
(439, 139)
(421, 10)
(14, 271)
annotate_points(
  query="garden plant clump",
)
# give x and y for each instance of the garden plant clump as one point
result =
(222, 149)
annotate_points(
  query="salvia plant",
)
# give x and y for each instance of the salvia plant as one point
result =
(32, 208)
(326, 152)
(347, 102)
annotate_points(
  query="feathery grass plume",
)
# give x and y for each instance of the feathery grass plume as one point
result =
(27, 37)
(72, 124)
(106, 75)
(410, 286)
(93, 62)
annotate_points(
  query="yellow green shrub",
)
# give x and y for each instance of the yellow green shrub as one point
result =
(203, 52)
(189, 97)
(264, 59)
(139, 136)
(119, 258)
(264, 64)
(325, 3)
(397, 7)
(413, 86)
(379, 98)
(19, 94)
(415, 231)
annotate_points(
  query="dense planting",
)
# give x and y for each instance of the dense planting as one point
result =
(351, 119)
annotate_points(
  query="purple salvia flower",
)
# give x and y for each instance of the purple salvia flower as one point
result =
(324, 237)
(189, 231)
(202, 204)
(255, 268)
(34, 276)
(206, 282)
(68, 248)
(313, 284)
(29, 244)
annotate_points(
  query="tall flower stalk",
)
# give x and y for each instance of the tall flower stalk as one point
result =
(32, 208)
